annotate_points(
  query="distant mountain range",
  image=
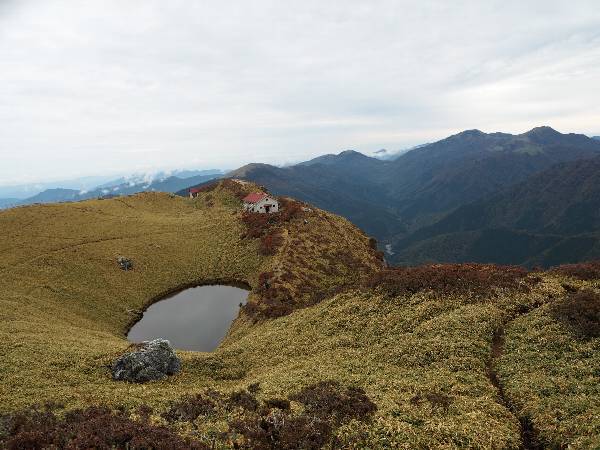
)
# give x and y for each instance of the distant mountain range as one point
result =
(121, 186)
(26, 190)
(530, 199)
(8, 202)
(398, 200)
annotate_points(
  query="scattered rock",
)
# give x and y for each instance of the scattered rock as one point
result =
(154, 360)
(125, 263)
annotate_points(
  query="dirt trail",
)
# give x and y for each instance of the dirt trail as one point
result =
(529, 439)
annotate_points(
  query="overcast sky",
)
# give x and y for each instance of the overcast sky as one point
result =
(92, 87)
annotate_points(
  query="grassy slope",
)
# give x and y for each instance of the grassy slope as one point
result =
(423, 358)
(65, 305)
(404, 350)
(552, 376)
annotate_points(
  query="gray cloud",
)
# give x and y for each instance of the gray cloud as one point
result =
(110, 86)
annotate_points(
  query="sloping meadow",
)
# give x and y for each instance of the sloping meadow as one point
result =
(332, 350)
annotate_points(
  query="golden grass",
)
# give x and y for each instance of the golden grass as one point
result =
(552, 376)
(402, 350)
(65, 305)
(422, 358)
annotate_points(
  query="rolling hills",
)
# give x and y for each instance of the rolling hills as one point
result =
(334, 350)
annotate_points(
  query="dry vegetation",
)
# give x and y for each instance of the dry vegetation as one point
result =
(399, 358)
(315, 255)
(319, 410)
(448, 279)
(550, 366)
(583, 271)
(65, 305)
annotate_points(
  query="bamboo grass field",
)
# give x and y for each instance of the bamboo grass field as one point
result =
(422, 352)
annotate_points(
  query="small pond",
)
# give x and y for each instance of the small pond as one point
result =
(194, 319)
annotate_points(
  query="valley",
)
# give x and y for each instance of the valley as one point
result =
(409, 202)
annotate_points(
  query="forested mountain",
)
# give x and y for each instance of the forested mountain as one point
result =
(439, 177)
(349, 184)
(552, 217)
(394, 199)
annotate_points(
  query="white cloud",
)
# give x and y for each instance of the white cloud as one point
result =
(105, 86)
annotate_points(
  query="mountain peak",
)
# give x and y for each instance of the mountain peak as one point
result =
(345, 156)
(351, 153)
(544, 130)
(469, 134)
(248, 168)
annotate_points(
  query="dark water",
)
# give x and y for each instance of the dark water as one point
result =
(195, 319)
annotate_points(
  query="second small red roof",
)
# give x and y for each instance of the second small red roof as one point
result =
(254, 197)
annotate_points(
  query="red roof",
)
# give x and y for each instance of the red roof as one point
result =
(254, 197)
(195, 190)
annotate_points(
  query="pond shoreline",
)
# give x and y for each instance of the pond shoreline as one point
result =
(139, 314)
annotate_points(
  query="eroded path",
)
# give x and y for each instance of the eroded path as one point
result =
(529, 438)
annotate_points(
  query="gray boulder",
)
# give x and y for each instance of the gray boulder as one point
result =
(154, 360)
(125, 263)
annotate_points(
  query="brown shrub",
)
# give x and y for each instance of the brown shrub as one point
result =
(270, 425)
(326, 406)
(584, 271)
(257, 225)
(280, 403)
(373, 243)
(144, 412)
(264, 280)
(189, 408)
(290, 209)
(581, 312)
(268, 309)
(254, 388)
(278, 430)
(243, 399)
(450, 279)
(270, 243)
(437, 400)
(329, 399)
(93, 427)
